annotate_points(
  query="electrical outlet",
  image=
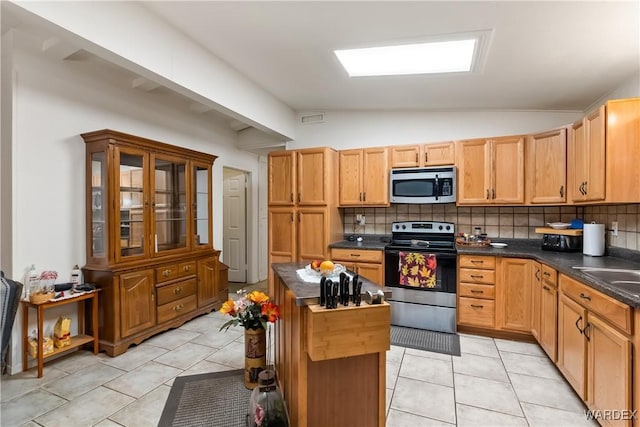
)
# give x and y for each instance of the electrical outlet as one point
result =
(614, 228)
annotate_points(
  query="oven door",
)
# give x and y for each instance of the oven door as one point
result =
(400, 276)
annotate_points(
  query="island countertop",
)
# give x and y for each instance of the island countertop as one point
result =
(307, 293)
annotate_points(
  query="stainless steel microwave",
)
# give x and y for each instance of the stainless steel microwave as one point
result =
(423, 185)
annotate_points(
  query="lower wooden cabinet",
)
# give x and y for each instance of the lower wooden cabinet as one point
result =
(544, 316)
(366, 263)
(595, 348)
(137, 306)
(476, 291)
(139, 302)
(514, 295)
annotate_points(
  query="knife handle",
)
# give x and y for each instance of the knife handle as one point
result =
(328, 286)
(355, 285)
(358, 294)
(335, 296)
(323, 291)
(346, 295)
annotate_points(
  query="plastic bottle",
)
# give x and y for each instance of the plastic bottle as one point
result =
(75, 275)
(32, 281)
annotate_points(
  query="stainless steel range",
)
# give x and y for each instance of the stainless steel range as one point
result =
(420, 266)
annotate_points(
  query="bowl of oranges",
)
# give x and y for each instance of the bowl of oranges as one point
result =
(326, 268)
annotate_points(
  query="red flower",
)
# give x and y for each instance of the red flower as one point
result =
(431, 263)
(271, 311)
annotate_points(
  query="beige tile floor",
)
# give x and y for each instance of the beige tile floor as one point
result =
(494, 382)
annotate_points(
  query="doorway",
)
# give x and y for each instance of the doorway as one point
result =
(234, 238)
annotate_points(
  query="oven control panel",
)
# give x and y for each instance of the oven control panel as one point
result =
(430, 227)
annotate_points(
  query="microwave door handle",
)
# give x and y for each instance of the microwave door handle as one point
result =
(437, 188)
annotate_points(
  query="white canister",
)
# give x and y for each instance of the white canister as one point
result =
(593, 239)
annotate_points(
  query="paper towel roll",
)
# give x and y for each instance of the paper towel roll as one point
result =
(593, 239)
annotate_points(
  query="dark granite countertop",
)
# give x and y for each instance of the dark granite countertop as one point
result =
(371, 242)
(564, 261)
(309, 293)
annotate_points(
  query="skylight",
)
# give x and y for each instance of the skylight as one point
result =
(418, 58)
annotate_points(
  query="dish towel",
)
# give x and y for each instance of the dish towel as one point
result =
(417, 269)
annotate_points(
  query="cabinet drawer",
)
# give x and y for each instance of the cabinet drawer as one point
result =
(477, 291)
(615, 312)
(167, 272)
(176, 291)
(549, 276)
(186, 268)
(472, 275)
(177, 308)
(356, 255)
(474, 261)
(477, 312)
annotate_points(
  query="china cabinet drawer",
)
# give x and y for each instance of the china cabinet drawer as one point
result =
(172, 310)
(474, 261)
(186, 268)
(615, 312)
(176, 291)
(167, 272)
(477, 291)
(361, 255)
(476, 312)
(471, 275)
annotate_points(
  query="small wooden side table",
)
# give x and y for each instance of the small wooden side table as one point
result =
(76, 340)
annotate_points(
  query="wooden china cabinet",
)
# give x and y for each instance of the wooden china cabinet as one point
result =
(149, 236)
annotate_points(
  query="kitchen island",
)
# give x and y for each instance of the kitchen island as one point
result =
(331, 363)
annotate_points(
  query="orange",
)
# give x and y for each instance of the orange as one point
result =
(327, 266)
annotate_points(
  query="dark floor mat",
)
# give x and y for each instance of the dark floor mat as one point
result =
(216, 399)
(421, 339)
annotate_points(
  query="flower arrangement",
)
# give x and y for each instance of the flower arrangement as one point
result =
(252, 310)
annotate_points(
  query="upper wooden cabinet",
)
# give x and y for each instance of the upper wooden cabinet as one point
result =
(364, 177)
(299, 178)
(587, 157)
(546, 160)
(145, 199)
(407, 156)
(623, 150)
(491, 171)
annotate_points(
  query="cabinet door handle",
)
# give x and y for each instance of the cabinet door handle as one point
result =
(584, 331)
(477, 305)
(537, 274)
(298, 197)
(476, 276)
(364, 196)
(291, 216)
(475, 291)
(547, 274)
(354, 254)
(360, 196)
(578, 321)
(416, 157)
(546, 288)
(562, 191)
(586, 186)
(178, 307)
(177, 290)
(426, 158)
(186, 268)
(583, 296)
(477, 261)
(291, 197)
(493, 193)
(166, 273)
(487, 194)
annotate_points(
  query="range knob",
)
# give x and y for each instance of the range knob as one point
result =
(396, 226)
(440, 228)
(448, 227)
(404, 226)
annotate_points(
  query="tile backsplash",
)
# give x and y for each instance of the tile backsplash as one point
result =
(501, 222)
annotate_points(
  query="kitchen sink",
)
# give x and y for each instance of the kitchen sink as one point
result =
(624, 278)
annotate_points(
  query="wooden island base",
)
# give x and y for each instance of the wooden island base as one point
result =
(331, 363)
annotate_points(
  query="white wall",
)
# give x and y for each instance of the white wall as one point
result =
(357, 129)
(54, 102)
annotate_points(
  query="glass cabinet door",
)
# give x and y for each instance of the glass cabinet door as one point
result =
(97, 231)
(201, 205)
(131, 201)
(169, 204)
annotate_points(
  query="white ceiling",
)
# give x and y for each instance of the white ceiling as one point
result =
(541, 56)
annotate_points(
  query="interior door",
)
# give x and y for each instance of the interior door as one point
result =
(235, 224)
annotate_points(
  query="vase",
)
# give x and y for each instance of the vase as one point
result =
(267, 407)
(255, 352)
